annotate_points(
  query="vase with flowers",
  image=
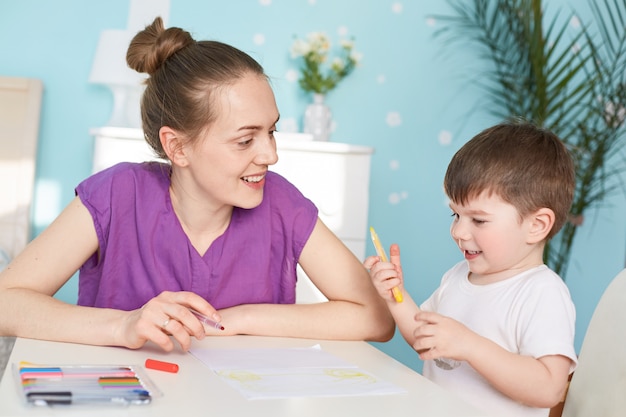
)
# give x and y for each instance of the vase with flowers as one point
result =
(319, 77)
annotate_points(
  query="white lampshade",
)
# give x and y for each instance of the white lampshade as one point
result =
(110, 68)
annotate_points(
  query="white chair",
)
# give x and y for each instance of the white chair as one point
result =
(598, 386)
(20, 107)
(20, 104)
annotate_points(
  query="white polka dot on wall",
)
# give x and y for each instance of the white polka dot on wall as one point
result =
(396, 198)
(431, 22)
(258, 39)
(265, 2)
(394, 165)
(445, 138)
(381, 79)
(292, 75)
(397, 7)
(393, 119)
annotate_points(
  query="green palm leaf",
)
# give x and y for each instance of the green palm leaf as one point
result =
(539, 72)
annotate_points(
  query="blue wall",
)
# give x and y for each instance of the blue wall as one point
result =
(404, 73)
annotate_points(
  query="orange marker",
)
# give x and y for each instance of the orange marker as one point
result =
(383, 257)
(161, 366)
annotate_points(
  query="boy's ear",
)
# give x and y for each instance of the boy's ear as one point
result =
(542, 222)
(172, 144)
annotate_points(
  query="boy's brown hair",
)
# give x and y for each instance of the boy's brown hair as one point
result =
(525, 165)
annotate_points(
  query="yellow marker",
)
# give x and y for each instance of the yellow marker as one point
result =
(383, 257)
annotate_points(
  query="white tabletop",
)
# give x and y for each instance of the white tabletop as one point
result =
(196, 390)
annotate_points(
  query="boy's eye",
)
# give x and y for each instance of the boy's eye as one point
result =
(478, 221)
(455, 216)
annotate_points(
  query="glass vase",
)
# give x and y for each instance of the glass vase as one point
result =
(318, 119)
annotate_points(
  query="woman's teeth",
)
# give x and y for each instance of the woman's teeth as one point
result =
(255, 178)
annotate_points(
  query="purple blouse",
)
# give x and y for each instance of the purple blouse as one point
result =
(144, 250)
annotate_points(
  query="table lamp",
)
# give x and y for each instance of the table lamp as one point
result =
(110, 68)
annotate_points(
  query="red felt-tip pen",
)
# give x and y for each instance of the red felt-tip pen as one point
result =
(204, 319)
(161, 366)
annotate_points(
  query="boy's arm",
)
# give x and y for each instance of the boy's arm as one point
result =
(387, 276)
(535, 382)
(404, 315)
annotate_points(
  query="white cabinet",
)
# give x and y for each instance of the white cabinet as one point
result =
(119, 144)
(335, 176)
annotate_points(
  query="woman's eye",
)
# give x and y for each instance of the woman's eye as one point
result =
(478, 221)
(245, 142)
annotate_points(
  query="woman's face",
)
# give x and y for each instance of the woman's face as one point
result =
(228, 164)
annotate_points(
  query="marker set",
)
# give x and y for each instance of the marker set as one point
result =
(43, 385)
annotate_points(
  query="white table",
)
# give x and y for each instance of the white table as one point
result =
(196, 390)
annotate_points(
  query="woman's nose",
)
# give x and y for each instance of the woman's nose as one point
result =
(267, 152)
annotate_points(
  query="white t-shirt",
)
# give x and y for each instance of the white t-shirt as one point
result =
(529, 314)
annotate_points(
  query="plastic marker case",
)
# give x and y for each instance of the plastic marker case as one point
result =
(64, 385)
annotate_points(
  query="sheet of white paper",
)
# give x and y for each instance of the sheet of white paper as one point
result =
(291, 372)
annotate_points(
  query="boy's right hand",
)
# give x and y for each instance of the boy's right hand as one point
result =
(386, 275)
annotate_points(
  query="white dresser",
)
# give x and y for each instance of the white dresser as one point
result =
(335, 176)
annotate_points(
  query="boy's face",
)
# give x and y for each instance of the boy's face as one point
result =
(494, 239)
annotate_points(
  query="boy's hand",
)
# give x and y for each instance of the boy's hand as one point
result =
(438, 336)
(386, 275)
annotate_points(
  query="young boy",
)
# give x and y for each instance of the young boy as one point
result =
(499, 330)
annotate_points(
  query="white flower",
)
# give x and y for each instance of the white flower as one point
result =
(314, 50)
(337, 65)
(300, 48)
(356, 57)
(347, 44)
(319, 42)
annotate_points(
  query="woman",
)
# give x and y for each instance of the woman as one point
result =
(213, 230)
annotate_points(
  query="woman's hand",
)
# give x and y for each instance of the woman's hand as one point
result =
(168, 315)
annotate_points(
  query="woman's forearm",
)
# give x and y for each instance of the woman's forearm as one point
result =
(39, 316)
(340, 320)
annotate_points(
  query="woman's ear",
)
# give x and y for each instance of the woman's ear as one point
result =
(541, 223)
(172, 144)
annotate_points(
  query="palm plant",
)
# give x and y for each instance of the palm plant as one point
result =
(574, 86)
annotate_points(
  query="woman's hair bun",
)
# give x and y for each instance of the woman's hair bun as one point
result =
(151, 47)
